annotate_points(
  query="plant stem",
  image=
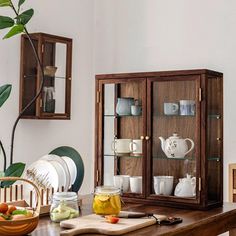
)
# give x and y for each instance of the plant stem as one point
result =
(37, 94)
(4, 156)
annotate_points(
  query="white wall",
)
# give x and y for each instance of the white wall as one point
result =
(154, 35)
(130, 35)
(35, 138)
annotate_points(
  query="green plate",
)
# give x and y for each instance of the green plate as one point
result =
(75, 156)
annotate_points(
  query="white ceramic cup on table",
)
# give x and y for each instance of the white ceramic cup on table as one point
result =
(121, 145)
(163, 185)
(122, 182)
(136, 184)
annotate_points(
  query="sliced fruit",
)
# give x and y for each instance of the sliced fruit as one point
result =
(112, 219)
(11, 209)
(103, 198)
(1, 218)
(3, 207)
(20, 212)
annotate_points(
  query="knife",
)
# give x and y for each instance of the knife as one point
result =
(130, 214)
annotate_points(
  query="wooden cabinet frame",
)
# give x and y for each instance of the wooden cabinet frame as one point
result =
(28, 90)
(204, 170)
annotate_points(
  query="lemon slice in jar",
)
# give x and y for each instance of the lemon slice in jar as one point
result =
(115, 202)
(103, 198)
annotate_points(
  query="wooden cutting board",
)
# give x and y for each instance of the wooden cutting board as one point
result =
(97, 224)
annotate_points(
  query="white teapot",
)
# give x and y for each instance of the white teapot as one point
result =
(176, 147)
(186, 187)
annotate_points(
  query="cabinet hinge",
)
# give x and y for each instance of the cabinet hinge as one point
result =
(42, 49)
(98, 97)
(200, 94)
(97, 176)
(199, 184)
(41, 103)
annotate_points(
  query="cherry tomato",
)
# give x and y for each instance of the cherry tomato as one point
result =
(112, 219)
(3, 207)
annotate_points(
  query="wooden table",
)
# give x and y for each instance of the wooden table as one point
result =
(195, 223)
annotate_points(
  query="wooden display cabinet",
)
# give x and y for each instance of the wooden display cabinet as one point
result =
(55, 53)
(189, 103)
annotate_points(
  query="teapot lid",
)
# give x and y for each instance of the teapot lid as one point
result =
(175, 135)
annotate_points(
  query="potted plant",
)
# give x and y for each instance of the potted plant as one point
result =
(16, 24)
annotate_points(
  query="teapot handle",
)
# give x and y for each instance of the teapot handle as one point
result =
(192, 145)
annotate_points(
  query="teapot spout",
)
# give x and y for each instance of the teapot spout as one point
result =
(162, 143)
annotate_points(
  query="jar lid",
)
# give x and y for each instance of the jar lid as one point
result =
(107, 190)
(66, 196)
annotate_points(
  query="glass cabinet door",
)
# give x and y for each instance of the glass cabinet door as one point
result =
(174, 145)
(214, 138)
(122, 130)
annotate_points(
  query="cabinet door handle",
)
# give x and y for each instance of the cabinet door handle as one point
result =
(147, 137)
(142, 137)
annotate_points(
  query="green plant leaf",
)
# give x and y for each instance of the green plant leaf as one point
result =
(25, 16)
(16, 29)
(20, 3)
(6, 22)
(5, 91)
(15, 170)
(5, 3)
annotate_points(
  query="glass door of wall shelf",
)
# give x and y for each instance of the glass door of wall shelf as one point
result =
(214, 138)
(174, 117)
(123, 129)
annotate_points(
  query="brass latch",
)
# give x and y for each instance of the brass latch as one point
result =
(98, 97)
(97, 176)
(199, 184)
(200, 95)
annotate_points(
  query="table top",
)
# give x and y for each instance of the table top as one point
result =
(195, 222)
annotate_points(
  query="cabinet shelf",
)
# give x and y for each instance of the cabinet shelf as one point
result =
(186, 158)
(123, 155)
(178, 115)
(215, 116)
(46, 76)
(119, 116)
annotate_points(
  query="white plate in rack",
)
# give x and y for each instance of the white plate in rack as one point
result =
(62, 169)
(43, 173)
(72, 168)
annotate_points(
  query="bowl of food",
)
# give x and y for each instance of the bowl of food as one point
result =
(16, 220)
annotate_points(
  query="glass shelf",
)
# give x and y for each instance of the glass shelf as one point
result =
(172, 158)
(178, 115)
(46, 76)
(187, 158)
(214, 116)
(123, 155)
(116, 116)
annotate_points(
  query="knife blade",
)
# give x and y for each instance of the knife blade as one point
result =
(130, 214)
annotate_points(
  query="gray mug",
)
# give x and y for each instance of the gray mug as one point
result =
(171, 108)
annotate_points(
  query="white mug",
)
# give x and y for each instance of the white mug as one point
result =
(136, 184)
(121, 145)
(136, 146)
(187, 107)
(163, 185)
(122, 182)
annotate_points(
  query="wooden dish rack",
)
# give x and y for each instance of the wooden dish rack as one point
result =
(14, 194)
